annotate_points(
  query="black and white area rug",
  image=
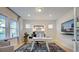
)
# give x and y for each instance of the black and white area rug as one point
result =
(40, 48)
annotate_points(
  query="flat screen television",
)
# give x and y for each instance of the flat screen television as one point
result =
(68, 27)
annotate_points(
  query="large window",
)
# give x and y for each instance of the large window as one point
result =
(8, 28)
(2, 27)
(13, 29)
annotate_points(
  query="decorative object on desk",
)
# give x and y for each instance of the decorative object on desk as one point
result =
(34, 34)
(25, 37)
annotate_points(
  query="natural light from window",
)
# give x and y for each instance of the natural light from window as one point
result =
(2, 27)
(13, 30)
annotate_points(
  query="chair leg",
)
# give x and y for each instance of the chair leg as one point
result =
(32, 45)
(47, 46)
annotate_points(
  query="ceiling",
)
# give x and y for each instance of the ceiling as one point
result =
(47, 13)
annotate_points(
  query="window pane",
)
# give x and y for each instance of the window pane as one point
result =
(2, 21)
(2, 27)
(13, 32)
(2, 33)
(13, 25)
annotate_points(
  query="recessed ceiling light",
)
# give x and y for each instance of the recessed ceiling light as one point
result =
(28, 15)
(38, 9)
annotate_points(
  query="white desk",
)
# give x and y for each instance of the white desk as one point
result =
(45, 39)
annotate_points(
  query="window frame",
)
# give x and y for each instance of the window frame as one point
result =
(7, 27)
(11, 20)
(5, 18)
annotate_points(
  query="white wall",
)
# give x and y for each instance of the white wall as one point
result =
(49, 32)
(65, 39)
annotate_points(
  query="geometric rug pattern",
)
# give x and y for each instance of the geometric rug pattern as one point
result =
(41, 47)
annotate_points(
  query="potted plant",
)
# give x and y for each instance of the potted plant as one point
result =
(25, 37)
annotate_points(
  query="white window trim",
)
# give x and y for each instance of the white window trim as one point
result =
(7, 28)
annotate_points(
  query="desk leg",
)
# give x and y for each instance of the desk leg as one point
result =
(47, 46)
(32, 45)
